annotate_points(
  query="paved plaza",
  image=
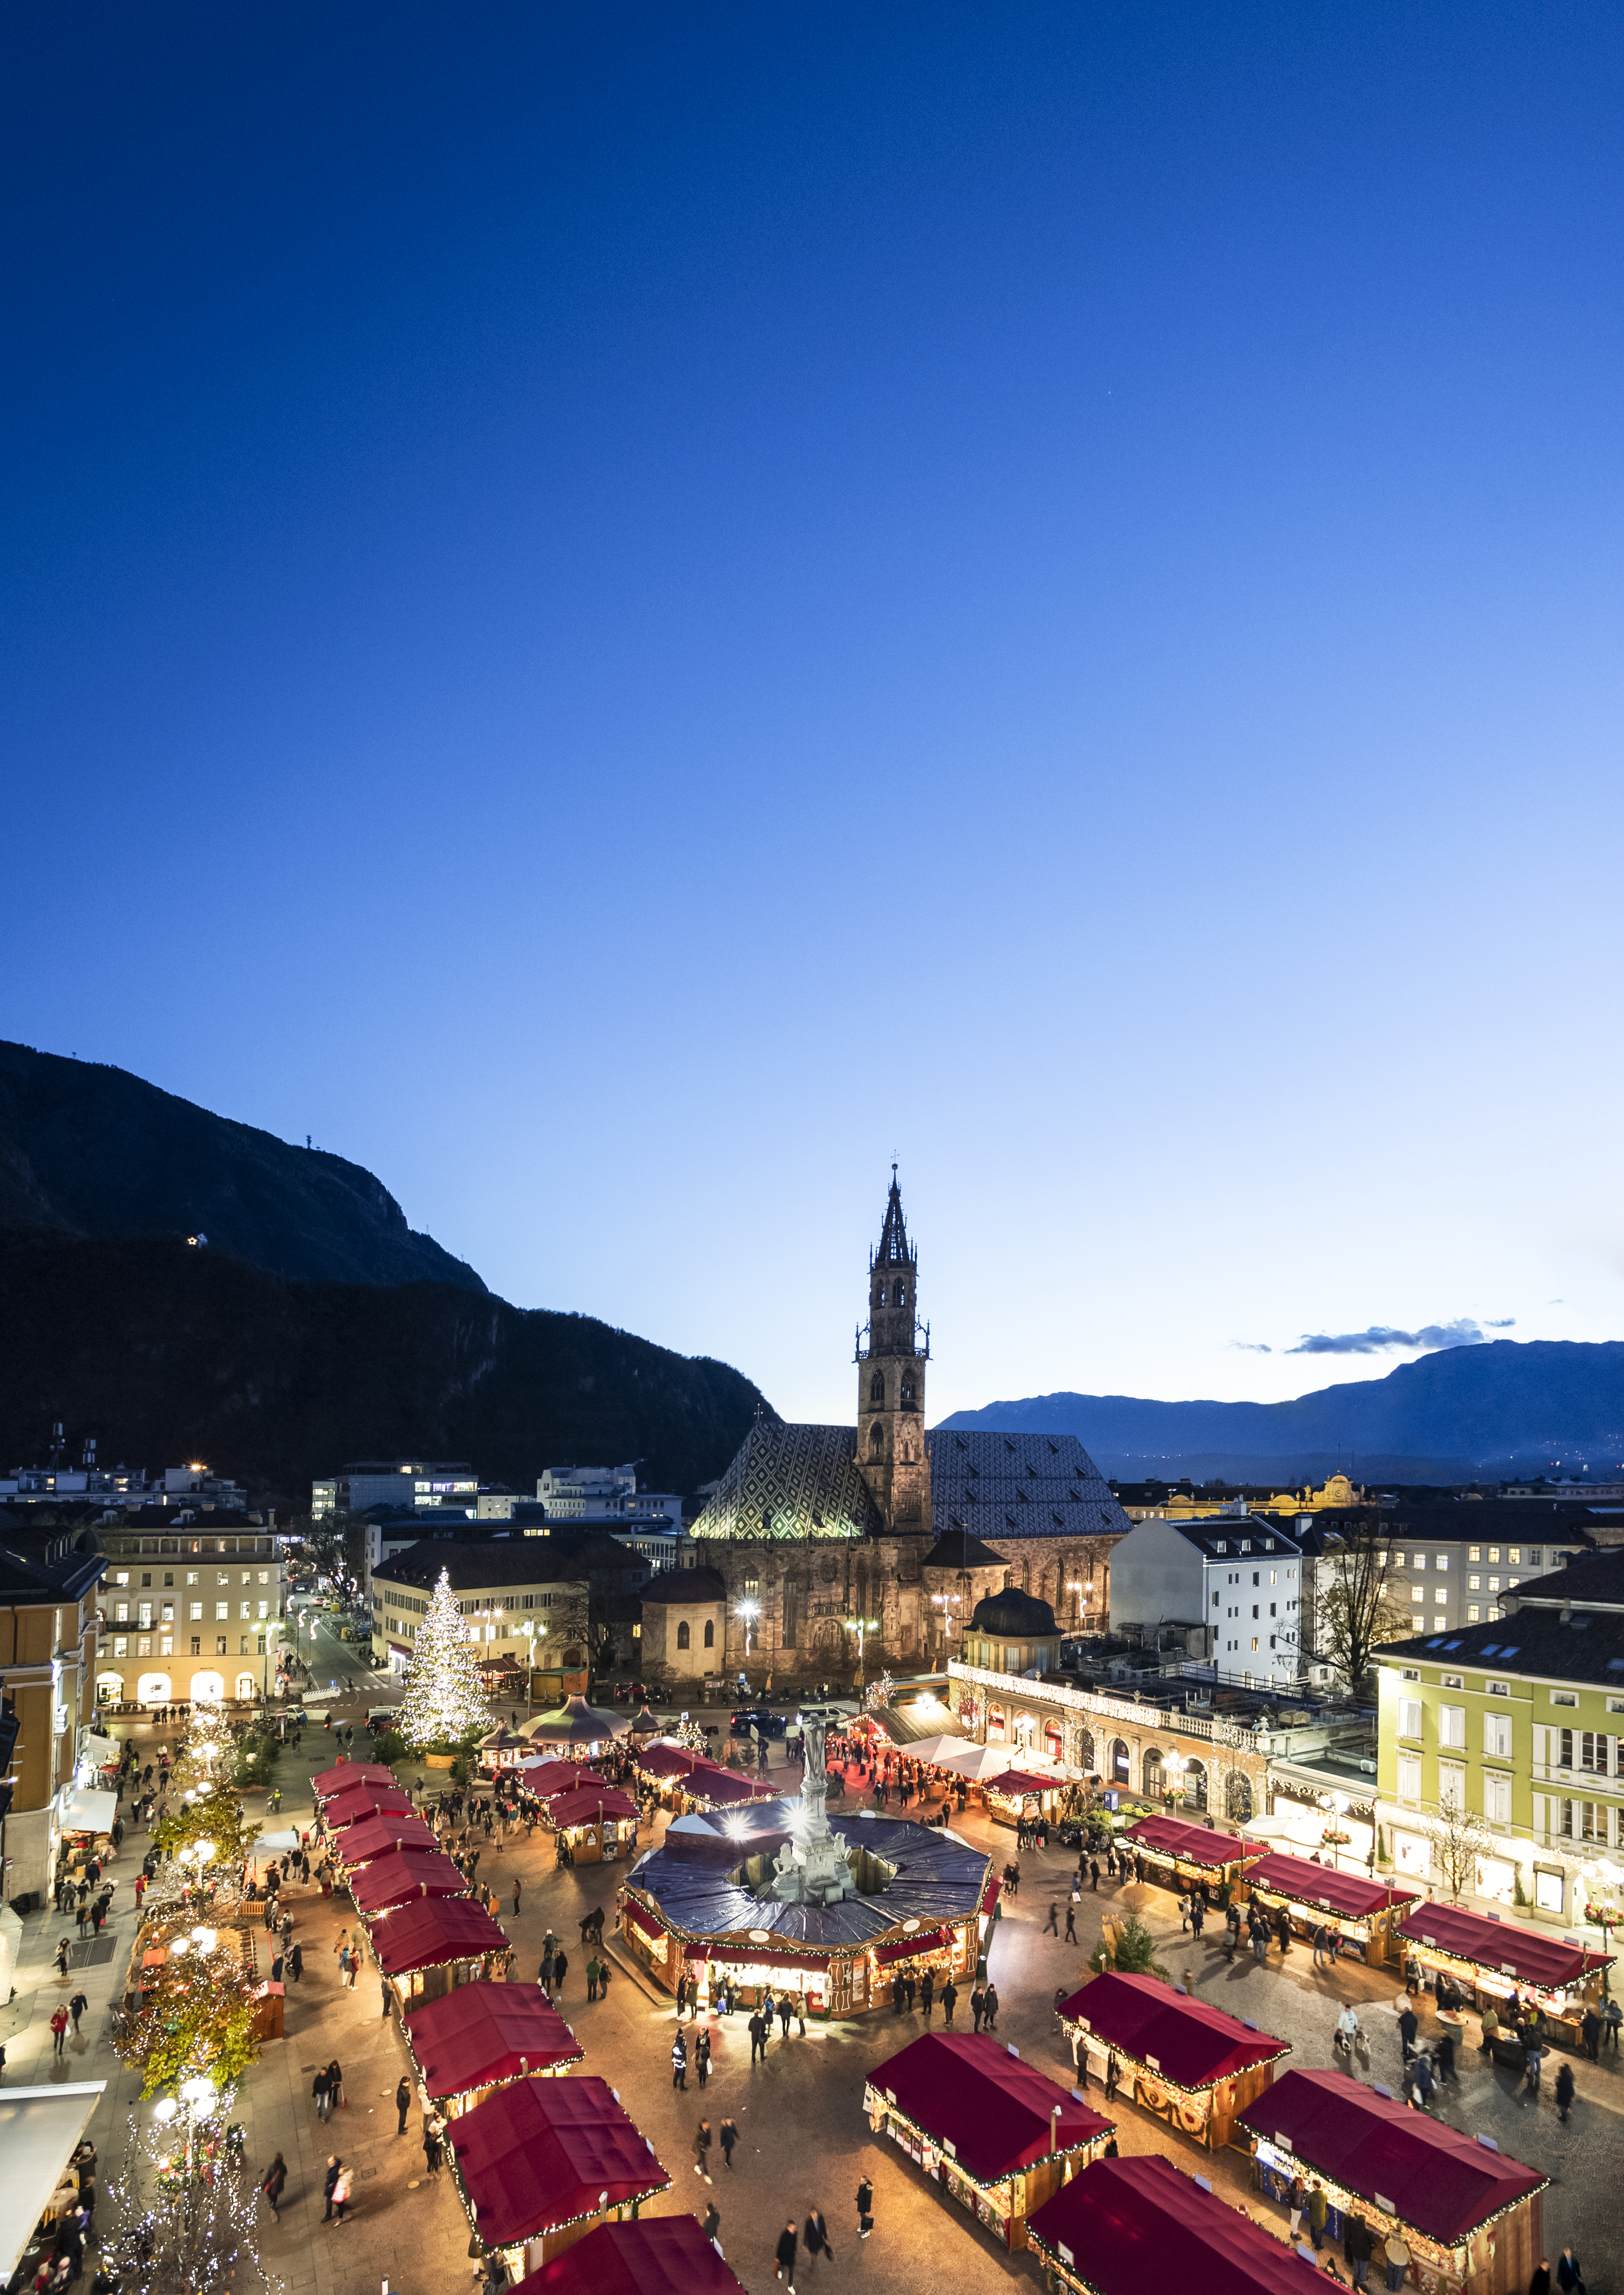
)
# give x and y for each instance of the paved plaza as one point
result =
(804, 2139)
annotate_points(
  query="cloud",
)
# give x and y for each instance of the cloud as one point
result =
(1380, 1337)
(1251, 1347)
(1505, 1323)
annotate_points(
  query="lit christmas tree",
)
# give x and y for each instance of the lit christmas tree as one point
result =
(443, 1698)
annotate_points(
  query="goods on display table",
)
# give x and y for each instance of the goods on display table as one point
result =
(484, 2035)
(671, 2255)
(540, 2163)
(1470, 2217)
(1124, 2227)
(1495, 1959)
(1362, 1911)
(996, 2134)
(1181, 2059)
(433, 1945)
(1178, 1853)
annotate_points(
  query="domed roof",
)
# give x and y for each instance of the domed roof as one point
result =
(1012, 1616)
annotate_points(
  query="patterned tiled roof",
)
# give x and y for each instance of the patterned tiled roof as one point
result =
(1018, 1486)
(792, 1482)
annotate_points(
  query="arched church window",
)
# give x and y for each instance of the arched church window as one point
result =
(908, 1391)
(876, 1387)
(877, 1439)
(682, 1635)
(902, 1295)
(710, 1633)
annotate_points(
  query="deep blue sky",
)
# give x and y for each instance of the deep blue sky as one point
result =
(619, 612)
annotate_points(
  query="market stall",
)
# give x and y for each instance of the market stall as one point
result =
(1178, 1855)
(344, 1775)
(358, 1844)
(671, 2255)
(1181, 2058)
(1495, 1960)
(1125, 2225)
(597, 1823)
(433, 1945)
(546, 1773)
(998, 2135)
(355, 1805)
(576, 1723)
(540, 2163)
(401, 1875)
(1362, 1911)
(41, 2130)
(1015, 1795)
(482, 2035)
(1471, 2218)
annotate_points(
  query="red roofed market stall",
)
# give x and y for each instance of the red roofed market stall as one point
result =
(1494, 1959)
(1471, 2218)
(669, 2256)
(1124, 2227)
(544, 1773)
(998, 2135)
(540, 2162)
(347, 1809)
(359, 1845)
(1178, 1854)
(1364, 1911)
(1191, 2064)
(484, 2035)
(434, 1944)
(400, 1874)
(1017, 1794)
(597, 1822)
(346, 1775)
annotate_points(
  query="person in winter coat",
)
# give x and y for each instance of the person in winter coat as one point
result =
(340, 2194)
(328, 2182)
(59, 2030)
(786, 2247)
(1317, 2210)
(1569, 2278)
(273, 2180)
(1540, 2282)
(702, 2149)
(403, 2104)
(1564, 2098)
(678, 2061)
(865, 2208)
(815, 2233)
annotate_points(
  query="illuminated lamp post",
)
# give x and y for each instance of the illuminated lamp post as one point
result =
(861, 1627)
(1173, 1767)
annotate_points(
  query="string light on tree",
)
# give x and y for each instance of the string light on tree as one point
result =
(444, 1699)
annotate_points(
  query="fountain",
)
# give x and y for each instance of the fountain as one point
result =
(813, 1866)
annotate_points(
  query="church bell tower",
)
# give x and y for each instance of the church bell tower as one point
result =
(891, 1380)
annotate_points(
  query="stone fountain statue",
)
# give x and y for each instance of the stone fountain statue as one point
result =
(811, 1864)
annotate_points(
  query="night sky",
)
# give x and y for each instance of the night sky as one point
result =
(623, 613)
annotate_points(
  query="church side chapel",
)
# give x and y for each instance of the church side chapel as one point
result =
(811, 1526)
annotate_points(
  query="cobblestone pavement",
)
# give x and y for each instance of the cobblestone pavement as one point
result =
(804, 2141)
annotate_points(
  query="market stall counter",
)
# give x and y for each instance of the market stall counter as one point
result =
(542, 2162)
(998, 2135)
(1470, 2217)
(1362, 1911)
(484, 2035)
(1179, 1855)
(1126, 2226)
(1188, 2062)
(1495, 1960)
(671, 2255)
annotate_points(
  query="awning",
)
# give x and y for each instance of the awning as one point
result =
(644, 1923)
(927, 1941)
(669, 2256)
(1316, 1888)
(989, 1895)
(1193, 2044)
(432, 1931)
(401, 1875)
(272, 1844)
(1022, 1782)
(360, 1843)
(1190, 1844)
(1550, 1963)
(595, 1805)
(87, 1812)
(543, 2152)
(1126, 2224)
(344, 1775)
(347, 1808)
(39, 2128)
(758, 1956)
(979, 1763)
(483, 2033)
(997, 2113)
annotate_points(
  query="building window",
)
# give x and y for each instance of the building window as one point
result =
(1497, 1797)
(143, 1647)
(121, 1646)
(710, 1633)
(197, 1646)
(682, 1635)
(1451, 1726)
(1409, 1777)
(1474, 1585)
(1409, 1717)
(219, 1645)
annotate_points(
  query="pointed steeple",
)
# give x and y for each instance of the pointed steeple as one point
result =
(891, 1454)
(894, 1250)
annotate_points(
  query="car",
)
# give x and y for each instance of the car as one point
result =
(832, 1715)
(758, 1717)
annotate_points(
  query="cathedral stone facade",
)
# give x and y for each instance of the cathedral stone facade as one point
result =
(812, 1529)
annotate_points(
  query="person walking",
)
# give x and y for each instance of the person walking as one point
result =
(865, 2208)
(1071, 1925)
(729, 2135)
(340, 2193)
(318, 2091)
(990, 2006)
(431, 2144)
(1053, 1927)
(1564, 2099)
(758, 2037)
(328, 2182)
(1443, 2056)
(59, 2030)
(950, 2001)
(560, 1969)
(403, 2104)
(679, 2062)
(978, 2004)
(786, 2010)
(713, 2221)
(61, 1958)
(335, 2086)
(702, 2059)
(76, 2009)
(296, 1963)
(1094, 1869)
(702, 2149)
(592, 1978)
(1590, 2033)
(786, 2248)
(518, 1891)
(1114, 2073)
(383, 1996)
(814, 2234)
(1407, 2029)
(271, 2184)
(1569, 2278)
(1539, 2283)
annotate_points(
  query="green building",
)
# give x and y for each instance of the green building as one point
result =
(1519, 1720)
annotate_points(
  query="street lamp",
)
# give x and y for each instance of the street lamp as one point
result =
(1175, 1765)
(861, 1627)
(749, 1612)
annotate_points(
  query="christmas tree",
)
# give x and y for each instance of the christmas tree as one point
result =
(444, 1699)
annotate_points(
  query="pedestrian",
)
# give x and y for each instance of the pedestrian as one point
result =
(1317, 2210)
(1053, 1928)
(1590, 2033)
(978, 2004)
(328, 2182)
(592, 1978)
(1321, 1942)
(544, 1974)
(1540, 2282)
(758, 2037)
(1114, 2073)
(786, 2010)
(1564, 2098)
(814, 2232)
(76, 2009)
(1613, 2016)
(560, 1969)
(786, 2244)
(1407, 2033)
(713, 2222)
(950, 2001)
(865, 2208)
(990, 2006)
(61, 1958)
(702, 2059)
(403, 2104)
(271, 2183)
(518, 1888)
(1071, 1925)
(1569, 2278)
(729, 2135)
(335, 2086)
(318, 2091)
(59, 2028)
(340, 2194)
(928, 1993)
(702, 2147)
(1296, 2200)
(1443, 2056)
(909, 1986)
(431, 2145)
(383, 1993)
(678, 2061)
(1094, 1869)
(1359, 2246)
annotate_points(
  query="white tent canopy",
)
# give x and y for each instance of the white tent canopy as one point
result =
(39, 2128)
(977, 1762)
(272, 1844)
(88, 1811)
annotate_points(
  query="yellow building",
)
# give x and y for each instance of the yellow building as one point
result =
(47, 1659)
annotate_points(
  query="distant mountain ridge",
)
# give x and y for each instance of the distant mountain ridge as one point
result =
(1516, 1403)
(88, 1150)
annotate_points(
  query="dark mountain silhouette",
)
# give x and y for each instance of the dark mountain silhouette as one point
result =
(1527, 1404)
(165, 1353)
(87, 1150)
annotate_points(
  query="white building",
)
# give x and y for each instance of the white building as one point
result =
(606, 1494)
(395, 1482)
(1238, 1580)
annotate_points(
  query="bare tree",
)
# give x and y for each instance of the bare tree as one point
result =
(1459, 1837)
(1359, 1605)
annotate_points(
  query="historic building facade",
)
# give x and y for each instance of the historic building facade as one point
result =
(882, 1532)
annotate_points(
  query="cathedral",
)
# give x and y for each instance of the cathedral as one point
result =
(813, 1531)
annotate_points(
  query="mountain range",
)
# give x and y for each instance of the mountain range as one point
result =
(1523, 1405)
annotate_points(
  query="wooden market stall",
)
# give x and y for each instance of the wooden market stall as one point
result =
(1022, 1793)
(1495, 1960)
(1182, 2058)
(546, 1773)
(359, 1845)
(482, 2035)
(362, 1802)
(435, 1944)
(597, 1822)
(998, 2135)
(401, 1875)
(1125, 2225)
(1363, 1911)
(346, 1774)
(1471, 2218)
(669, 2256)
(1179, 1855)
(540, 2163)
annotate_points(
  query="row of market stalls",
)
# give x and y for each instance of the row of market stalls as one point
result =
(688, 1783)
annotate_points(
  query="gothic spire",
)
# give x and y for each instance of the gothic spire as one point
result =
(893, 1236)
